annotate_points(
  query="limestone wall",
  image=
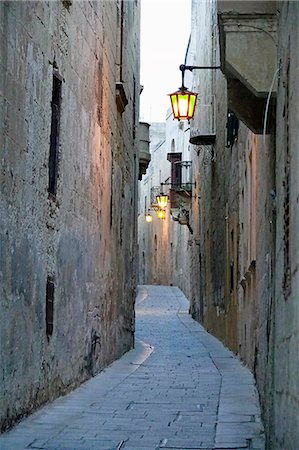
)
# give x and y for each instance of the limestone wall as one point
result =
(246, 220)
(82, 239)
(283, 418)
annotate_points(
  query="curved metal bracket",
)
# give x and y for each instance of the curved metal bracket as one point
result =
(183, 67)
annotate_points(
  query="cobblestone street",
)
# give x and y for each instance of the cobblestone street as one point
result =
(179, 389)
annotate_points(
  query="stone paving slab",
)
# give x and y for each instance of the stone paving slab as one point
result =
(180, 388)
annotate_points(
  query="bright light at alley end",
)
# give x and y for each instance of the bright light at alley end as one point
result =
(161, 214)
(148, 218)
(183, 104)
(162, 200)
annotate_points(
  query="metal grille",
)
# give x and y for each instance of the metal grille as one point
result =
(155, 190)
(184, 172)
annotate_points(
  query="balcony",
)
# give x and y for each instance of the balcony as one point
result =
(203, 129)
(183, 181)
(155, 190)
(180, 187)
(248, 56)
(144, 154)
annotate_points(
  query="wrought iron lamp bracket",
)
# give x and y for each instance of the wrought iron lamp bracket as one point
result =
(183, 68)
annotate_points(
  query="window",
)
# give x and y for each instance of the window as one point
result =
(134, 109)
(176, 176)
(232, 127)
(286, 188)
(175, 169)
(49, 306)
(232, 265)
(54, 137)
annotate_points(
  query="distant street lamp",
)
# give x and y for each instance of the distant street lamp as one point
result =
(162, 200)
(148, 218)
(183, 101)
(161, 214)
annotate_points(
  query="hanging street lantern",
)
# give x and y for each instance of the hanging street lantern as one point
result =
(161, 214)
(162, 200)
(148, 218)
(183, 101)
(183, 104)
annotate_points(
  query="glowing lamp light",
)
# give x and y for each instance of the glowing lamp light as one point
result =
(183, 104)
(162, 201)
(161, 214)
(148, 218)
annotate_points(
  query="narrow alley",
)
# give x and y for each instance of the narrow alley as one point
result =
(179, 389)
(149, 143)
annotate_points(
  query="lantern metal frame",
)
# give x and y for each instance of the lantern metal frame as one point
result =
(162, 200)
(183, 103)
(184, 95)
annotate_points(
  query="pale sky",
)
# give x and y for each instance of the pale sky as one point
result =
(165, 30)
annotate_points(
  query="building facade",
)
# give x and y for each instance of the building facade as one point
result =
(240, 255)
(69, 77)
(163, 242)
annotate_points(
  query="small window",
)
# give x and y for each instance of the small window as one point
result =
(232, 282)
(54, 137)
(232, 266)
(232, 126)
(176, 170)
(49, 306)
(287, 191)
(134, 109)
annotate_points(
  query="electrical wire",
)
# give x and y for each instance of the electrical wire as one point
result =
(188, 46)
(267, 105)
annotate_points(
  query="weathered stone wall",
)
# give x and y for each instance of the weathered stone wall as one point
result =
(84, 238)
(283, 418)
(248, 214)
(227, 304)
(215, 205)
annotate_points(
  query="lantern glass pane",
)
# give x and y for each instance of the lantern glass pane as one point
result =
(174, 104)
(192, 105)
(183, 105)
(162, 201)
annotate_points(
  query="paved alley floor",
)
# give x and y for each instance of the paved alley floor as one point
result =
(179, 389)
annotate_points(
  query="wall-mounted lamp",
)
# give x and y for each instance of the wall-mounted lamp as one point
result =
(162, 200)
(148, 218)
(183, 101)
(161, 214)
